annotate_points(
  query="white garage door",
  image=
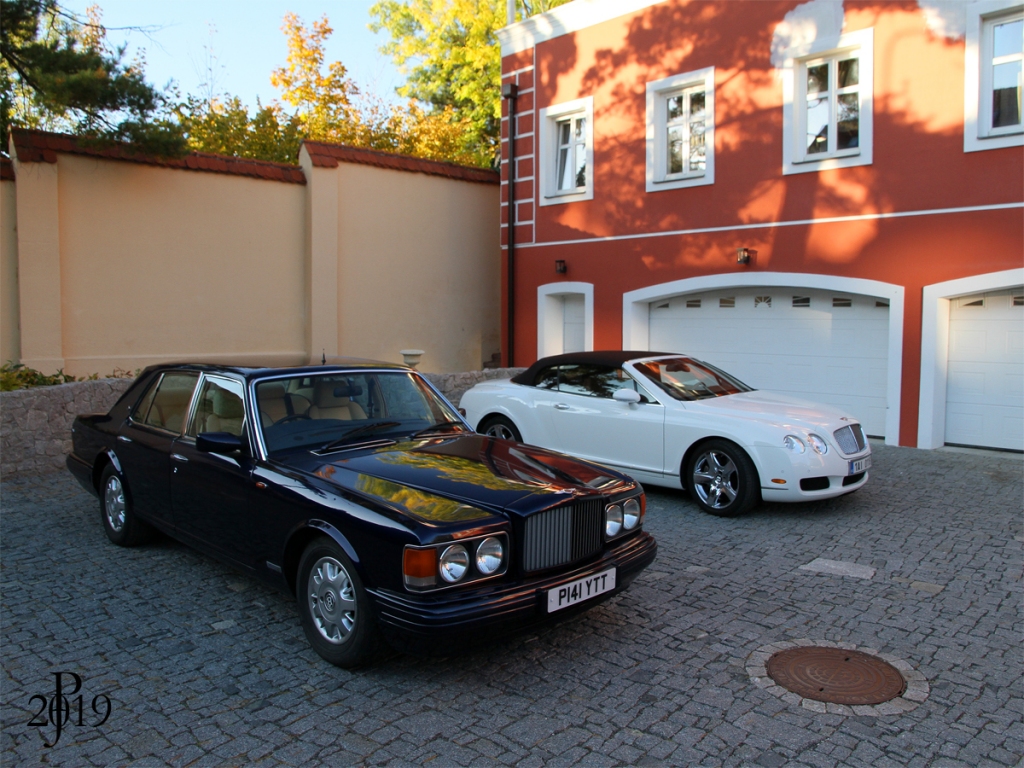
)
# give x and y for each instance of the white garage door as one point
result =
(818, 345)
(985, 374)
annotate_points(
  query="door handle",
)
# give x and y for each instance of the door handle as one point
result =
(124, 439)
(561, 407)
(179, 457)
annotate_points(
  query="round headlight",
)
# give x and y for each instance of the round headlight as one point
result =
(819, 445)
(454, 563)
(489, 555)
(630, 514)
(794, 444)
(612, 520)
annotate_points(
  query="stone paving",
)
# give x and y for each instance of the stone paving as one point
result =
(204, 667)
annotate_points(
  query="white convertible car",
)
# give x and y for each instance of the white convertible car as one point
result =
(671, 420)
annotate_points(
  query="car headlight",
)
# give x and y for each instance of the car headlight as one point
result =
(794, 444)
(489, 555)
(612, 520)
(630, 514)
(454, 563)
(819, 445)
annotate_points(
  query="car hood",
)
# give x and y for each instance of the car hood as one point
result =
(777, 409)
(474, 470)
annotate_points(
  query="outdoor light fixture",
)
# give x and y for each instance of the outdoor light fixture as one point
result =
(560, 266)
(744, 255)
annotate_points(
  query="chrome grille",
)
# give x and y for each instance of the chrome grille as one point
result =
(850, 439)
(563, 535)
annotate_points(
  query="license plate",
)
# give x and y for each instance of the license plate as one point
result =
(580, 590)
(859, 465)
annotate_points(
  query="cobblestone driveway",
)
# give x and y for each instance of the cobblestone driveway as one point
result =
(205, 667)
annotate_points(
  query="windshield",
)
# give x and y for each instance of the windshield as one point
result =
(338, 409)
(687, 379)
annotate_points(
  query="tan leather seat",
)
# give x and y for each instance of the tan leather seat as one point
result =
(228, 413)
(275, 401)
(330, 403)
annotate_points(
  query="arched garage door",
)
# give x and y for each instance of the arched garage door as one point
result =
(818, 345)
(985, 373)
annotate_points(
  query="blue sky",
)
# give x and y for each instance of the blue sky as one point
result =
(245, 39)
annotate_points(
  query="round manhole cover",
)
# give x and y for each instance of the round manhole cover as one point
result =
(836, 675)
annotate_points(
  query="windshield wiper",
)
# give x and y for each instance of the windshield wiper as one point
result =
(359, 431)
(441, 425)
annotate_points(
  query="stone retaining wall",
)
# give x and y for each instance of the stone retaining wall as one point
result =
(35, 424)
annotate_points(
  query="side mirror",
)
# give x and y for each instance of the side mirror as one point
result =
(218, 442)
(630, 396)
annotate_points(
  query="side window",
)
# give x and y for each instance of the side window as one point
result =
(142, 409)
(593, 380)
(170, 404)
(681, 131)
(827, 106)
(548, 378)
(219, 408)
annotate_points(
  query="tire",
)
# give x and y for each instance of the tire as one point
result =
(122, 525)
(722, 479)
(499, 426)
(334, 607)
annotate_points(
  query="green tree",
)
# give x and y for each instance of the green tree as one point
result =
(57, 73)
(449, 52)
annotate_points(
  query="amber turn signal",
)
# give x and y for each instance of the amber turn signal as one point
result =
(419, 567)
(778, 481)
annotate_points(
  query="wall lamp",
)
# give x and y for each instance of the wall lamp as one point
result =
(560, 266)
(745, 255)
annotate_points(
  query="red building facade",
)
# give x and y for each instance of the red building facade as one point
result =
(823, 198)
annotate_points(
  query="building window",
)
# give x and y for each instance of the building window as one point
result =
(994, 52)
(827, 105)
(567, 152)
(681, 130)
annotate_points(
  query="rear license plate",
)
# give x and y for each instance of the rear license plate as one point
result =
(580, 590)
(859, 465)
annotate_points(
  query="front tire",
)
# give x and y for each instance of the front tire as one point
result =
(722, 479)
(334, 607)
(122, 525)
(500, 426)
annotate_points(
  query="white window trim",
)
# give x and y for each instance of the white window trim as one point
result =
(657, 148)
(550, 316)
(975, 138)
(548, 151)
(794, 159)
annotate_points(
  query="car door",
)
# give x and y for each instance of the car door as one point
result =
(144, 442)
(540, 399)
(210, 492)
(592, 425)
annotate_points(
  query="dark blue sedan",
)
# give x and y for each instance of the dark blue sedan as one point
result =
(360, 490)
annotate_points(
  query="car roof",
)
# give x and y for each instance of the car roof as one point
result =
(613, 357)
(259, 369)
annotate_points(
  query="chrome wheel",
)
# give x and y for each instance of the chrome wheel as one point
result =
(113, 504)
(500, 430)
(716, 479)
(332, 600)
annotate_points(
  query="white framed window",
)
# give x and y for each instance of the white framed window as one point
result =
(567, 152)
(993, 63)
(827, 98)
(681, 130)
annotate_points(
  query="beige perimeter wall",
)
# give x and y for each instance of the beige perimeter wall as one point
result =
(118, 265)
(418, 267)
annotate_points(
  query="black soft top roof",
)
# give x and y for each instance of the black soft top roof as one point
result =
(613, 357)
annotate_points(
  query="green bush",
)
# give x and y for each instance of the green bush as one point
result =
(18, 376)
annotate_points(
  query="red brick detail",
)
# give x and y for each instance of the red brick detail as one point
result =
(524, 123)
(525, 102)
(524, 233)
(524, 212)
(524, 167)
(329, 155)
(504, 213)
(43, 147)
(524, 190)
(525, 79)
(520, 60)
(6, 169)
(524, 146)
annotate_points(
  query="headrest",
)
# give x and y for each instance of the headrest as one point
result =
(330, 393)
(227, 405)
(272, 391)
